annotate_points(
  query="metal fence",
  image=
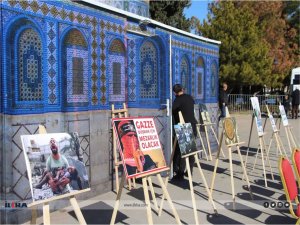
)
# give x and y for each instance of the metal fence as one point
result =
(241, 102)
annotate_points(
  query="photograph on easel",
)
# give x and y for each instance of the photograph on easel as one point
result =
(54, 164)
(230, 131)
(185, 137)
(257, 115)
(284, 118)
(139, 145)
(205, 117)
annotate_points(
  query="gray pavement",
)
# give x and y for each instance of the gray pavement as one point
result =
(98, 210)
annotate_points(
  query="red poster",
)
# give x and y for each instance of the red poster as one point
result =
(139, 145)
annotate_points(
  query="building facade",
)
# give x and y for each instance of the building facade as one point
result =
(64, 63)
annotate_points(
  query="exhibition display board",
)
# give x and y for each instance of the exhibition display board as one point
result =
(142, 156)
(288, 130)
(262, 146)
(207, 124)
(55, 170)
(187, 146)
(139, 146)
(229, 131)
(275, 134)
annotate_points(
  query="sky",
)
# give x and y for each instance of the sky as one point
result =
(198, 9)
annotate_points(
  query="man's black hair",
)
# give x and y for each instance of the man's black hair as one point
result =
(177, 88)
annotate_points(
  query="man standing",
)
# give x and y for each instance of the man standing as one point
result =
(184, 103)
(223, 100)
(295, 103)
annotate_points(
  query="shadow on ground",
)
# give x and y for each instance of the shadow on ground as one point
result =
(99, 213)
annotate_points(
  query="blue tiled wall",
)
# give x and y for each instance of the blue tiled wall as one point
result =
(144, 72)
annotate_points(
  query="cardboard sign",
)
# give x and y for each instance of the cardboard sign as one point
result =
(257, 115)
(139, 145)
(185, 137)
(54, 164)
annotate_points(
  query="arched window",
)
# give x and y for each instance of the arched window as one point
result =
(24, 67)
(29, 66)
(149, 71)
(75, 69)
(184, 73)
(213, 82)
(116, 62)
(199, 78)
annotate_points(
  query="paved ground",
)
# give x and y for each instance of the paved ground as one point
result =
(98, 210)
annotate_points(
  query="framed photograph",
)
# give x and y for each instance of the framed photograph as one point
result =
(257, 115)
(139, 146)
(185, 137)
(271, 118)
(230, 131)
(205, 118)
(284, 118)
(54, 164)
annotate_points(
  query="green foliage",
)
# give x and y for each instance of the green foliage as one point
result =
(171, 13)
(292, 13)
(243, 54)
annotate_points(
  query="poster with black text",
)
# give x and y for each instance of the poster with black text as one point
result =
(139, 145)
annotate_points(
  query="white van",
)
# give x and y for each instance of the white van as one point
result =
(295, 79)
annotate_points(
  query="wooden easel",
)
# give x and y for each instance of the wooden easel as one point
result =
(229, 147)
(46, 207)
(146, 195)
(290, 137)
(118, 113)
(73, 201)
(205, 125)
(195, 154)
(288, 129)
(262, 149)
(275, 134)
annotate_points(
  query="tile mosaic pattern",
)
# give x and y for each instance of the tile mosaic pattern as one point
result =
(117, 78)
(176, 67)
(185, 74)
(149, 70)
(52, 59)
(73, 96)
(58, 12)
(131, 57)
(75, 73)
(138, 7)
(53, 18)
(199, 87)
(193, 47)
(29, 66)
(193, 75)
(135, 27)
(214, 75)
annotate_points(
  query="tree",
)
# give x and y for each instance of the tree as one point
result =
(273, 24)
(291, 11)
(244, 56)
(171, 13)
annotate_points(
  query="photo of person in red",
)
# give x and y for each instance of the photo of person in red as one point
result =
(133, 156)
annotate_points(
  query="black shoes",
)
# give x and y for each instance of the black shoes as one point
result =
(178, 176)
